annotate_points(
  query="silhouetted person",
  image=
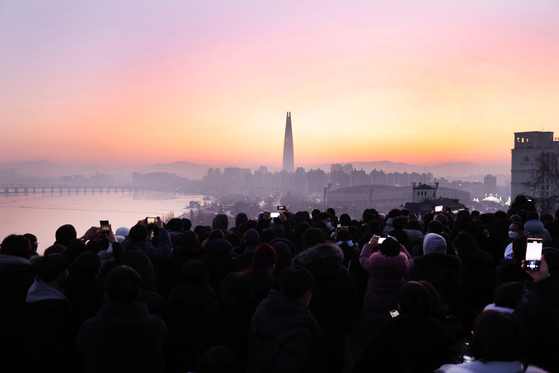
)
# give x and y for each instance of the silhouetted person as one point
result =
(123, 337)
(283, 336)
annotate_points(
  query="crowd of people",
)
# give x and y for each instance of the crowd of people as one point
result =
(302, 292)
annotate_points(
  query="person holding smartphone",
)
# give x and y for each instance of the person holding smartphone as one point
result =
(387, 264)
(139, 238)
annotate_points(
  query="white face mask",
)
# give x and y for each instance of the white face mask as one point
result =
(329, 226)
(513, 234)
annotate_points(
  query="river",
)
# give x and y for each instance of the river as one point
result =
(42, 214)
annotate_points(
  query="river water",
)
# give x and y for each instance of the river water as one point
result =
(42, 214)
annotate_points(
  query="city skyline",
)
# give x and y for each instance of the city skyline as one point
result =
(131, 83)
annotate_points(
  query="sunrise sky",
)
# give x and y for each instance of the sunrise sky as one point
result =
(138, 82)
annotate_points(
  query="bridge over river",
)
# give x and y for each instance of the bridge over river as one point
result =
(67, 189)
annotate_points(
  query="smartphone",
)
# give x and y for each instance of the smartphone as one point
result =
(381, 240)
(339, 226)
(534, 248)
(394, 313)
(439, 208)
(282, 208)
(105, 228)
(150, 220)
(274, 214)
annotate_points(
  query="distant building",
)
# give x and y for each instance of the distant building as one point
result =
(339, 179)
(453, 206)
(315, 180)
(424, 192)
(301, 182)
(490, 184)
(378, 177)
(527, 147)
(288, 157)
(336, 167)
(425, 199)
(359, 178)
(263, 169)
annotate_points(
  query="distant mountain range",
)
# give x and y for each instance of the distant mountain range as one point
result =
(197, 171)
(50, 169)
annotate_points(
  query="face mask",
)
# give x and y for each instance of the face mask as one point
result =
(513, 234)
(329, 226)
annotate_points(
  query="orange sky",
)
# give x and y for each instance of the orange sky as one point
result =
(141, 82)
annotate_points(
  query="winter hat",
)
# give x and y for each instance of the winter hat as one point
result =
(121, 234)
(251, 237)
(434, 244)
(264, 256)
(122, 231)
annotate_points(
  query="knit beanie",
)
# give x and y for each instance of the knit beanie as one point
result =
(251, 237)
(434, 243)
(264, 256)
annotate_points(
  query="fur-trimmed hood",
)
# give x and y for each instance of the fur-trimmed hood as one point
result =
(318, 252)
(399, 263)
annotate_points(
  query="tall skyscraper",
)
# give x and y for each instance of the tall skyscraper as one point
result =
(288, 158)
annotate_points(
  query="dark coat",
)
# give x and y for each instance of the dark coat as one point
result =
(123, 338)
(334, 297)
(409, 343)
(498, 239)
(194, 319)
(49, 328)
(284, 337)
(386, 276)
(477, 274)
(170, 268)
(540, 314)
(218, 258)
(242, 293)
(15, 279)
(443, 272)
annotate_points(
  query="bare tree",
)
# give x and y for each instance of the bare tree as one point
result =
(543, 183)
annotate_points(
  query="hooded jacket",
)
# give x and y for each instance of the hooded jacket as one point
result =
(284, 337)
(386, 276)
(48, 322)
(122, 338)
(334, 297)
(440, 270)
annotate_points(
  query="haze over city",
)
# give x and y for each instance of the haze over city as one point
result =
(133, 83)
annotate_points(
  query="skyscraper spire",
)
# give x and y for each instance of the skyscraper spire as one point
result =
(288, 159)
